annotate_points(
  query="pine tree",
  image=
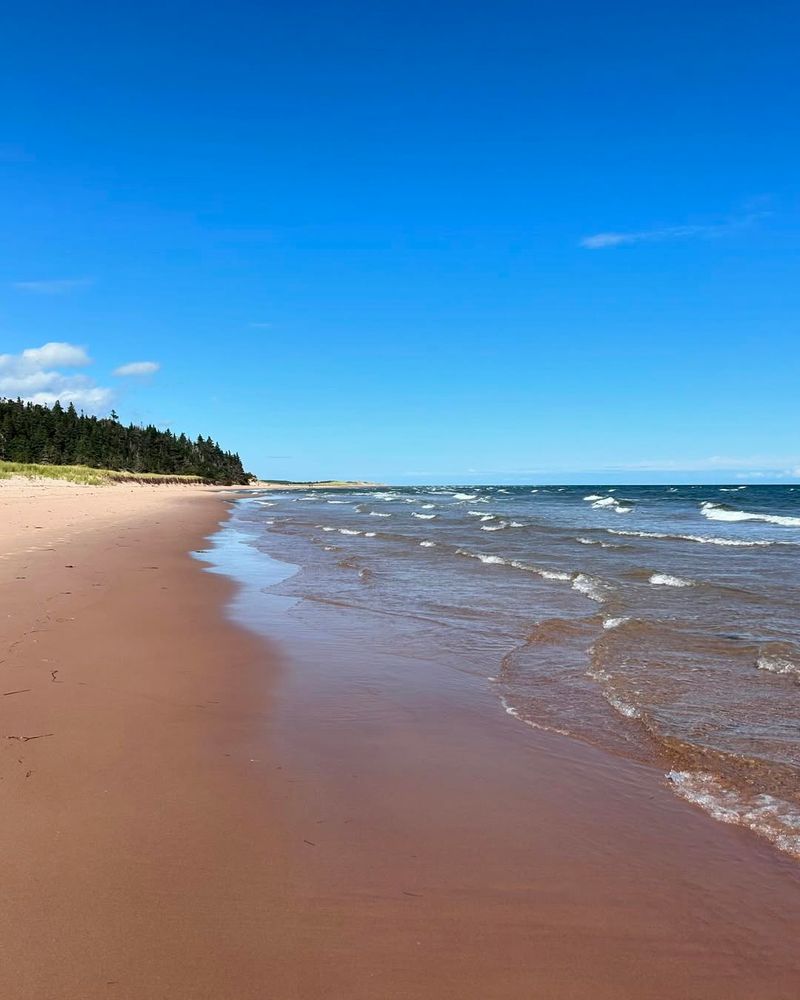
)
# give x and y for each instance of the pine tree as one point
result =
(30, 432)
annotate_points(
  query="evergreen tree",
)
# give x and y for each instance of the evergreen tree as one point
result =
(31, 432)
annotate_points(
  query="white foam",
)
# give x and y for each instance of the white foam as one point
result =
(609, 623)
(769, 817)
(610, 503)
(702, 539)
(345, 502)
(464, 496)
(377, 513)
(529, 722)
(666, 580)
(549, 574)
(423, 517)
(494, 527)
(622, 706)
(546, 574)
(427, 545)
(777, 665)
(369, 534)
(593, 496)
(427, 506)
(715, 512)
(594, 589)
(348, 531)
(596, 541)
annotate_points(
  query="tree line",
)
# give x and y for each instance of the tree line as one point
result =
(57, 435)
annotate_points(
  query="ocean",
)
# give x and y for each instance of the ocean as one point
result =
(660, 623)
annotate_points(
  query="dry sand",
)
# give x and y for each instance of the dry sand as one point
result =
(188, 813)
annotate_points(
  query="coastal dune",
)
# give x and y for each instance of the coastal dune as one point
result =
(190, 811)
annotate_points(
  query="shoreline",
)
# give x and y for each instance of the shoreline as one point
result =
(217, 815)
(131, 795)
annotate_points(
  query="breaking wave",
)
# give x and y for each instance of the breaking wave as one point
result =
(721, 512)
(702, 539)
(666, 580)
(776, 820)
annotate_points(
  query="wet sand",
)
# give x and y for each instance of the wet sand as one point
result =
(201, 813)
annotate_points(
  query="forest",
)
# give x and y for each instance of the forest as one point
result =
(32, 432)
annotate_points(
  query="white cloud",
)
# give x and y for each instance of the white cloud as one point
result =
(601, 241)
(52, 286)
(33, 375)
(55, 353)
(138, 368)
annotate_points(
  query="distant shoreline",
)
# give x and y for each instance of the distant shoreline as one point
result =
(315, 484)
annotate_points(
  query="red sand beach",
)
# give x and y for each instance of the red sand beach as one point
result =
(190, 811)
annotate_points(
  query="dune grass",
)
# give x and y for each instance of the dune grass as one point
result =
(84, 475)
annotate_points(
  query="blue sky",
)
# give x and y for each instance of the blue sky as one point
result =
(463, 242)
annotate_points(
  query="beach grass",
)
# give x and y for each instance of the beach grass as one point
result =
(84, 475)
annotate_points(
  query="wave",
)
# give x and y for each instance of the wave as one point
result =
(778, 665)
(721, 512)
(464, 496)
(609, 503)
(769, 817)
(489, 560)
(553, 574)
(702, 539)
(603, 545)
(622, 706)
(423, 517)
(377, 513)
(510, 710)
(427, 506)
(610, 623)
(590, 587)
(500, 524)
(348, 531)
(428, 545)
(666, 580)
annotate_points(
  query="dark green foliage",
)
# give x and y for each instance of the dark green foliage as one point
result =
(30, 432)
